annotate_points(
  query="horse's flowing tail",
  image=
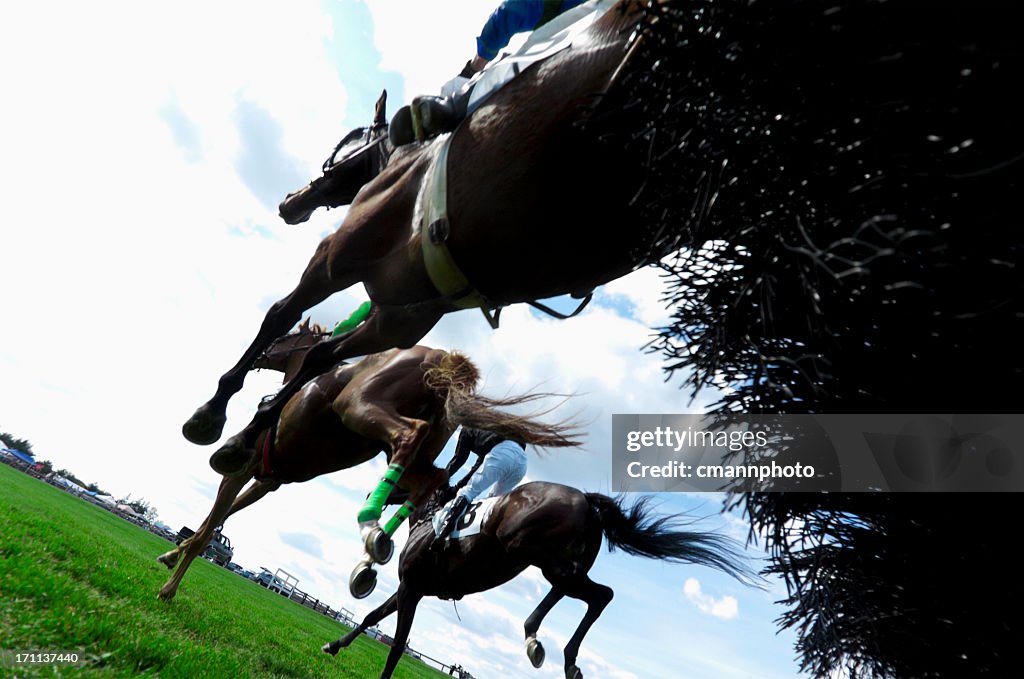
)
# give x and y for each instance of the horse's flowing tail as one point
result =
(455, 379)
(636, 533)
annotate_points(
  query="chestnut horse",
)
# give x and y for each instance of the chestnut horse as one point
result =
(556, 528)
(522, 192)
(404, 402)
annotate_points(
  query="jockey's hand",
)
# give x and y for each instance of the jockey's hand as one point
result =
(467, 70)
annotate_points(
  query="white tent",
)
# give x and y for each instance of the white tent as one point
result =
(131, 512)
(70, 484)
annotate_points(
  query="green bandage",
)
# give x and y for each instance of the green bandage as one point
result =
(375, 503)
(353, 321)
(403, 513)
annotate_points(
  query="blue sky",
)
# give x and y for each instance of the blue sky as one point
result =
(145, 150)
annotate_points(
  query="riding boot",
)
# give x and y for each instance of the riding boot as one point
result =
(400, 132)
(458, 508)
(431, 116)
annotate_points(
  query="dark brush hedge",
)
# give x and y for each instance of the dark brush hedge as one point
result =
(833, 190)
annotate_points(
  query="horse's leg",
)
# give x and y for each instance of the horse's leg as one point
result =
(226, 494)
(407, 602)
(318, 283)
(596, 596)
(371, 619)
(384, 328)
(534, 649)
(404, 436)
(252, 494)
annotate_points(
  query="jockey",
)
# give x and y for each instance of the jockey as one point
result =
(512, 17)
(430, 115)
(504, 466)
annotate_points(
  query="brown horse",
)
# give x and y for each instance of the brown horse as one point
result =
(521, 192)
(555, 528)
(404, 402)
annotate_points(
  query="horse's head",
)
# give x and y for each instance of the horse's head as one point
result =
(285, 353)
(358, 158)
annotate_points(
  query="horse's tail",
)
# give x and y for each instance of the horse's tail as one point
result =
(637, 533)
(455, 377)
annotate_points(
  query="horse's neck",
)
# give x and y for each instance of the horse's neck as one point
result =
(292, 366)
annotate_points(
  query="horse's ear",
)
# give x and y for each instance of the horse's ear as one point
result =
(304, 326)
(380, 115)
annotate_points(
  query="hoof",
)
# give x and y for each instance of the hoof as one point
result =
(573, 672)
(231, 459)
(205, 426)
(535, 652)
(329, 649)
(363, 581)
(167, 593)
(379, 546)
(170, 559)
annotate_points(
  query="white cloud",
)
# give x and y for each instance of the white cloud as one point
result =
(427, 59)
(725, 607)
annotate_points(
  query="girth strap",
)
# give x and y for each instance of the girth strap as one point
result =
(444, 273)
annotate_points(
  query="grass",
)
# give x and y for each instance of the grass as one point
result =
(74, 577)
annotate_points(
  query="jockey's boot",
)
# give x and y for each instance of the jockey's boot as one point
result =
(400, 131)
(458, 508)
(432, 115)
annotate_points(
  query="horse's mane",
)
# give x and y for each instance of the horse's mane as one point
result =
(307, 327)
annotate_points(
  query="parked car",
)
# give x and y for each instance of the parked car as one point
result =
(265, 578)
(219, 550)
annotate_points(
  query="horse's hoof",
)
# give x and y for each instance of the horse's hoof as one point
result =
(170, 559)
(231, 459)
(167, 593)
(535, 652)
(363, 581)
(379, 546)
(573, 672)
(205, 426)
(329, 648)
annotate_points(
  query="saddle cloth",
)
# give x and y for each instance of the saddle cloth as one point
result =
(472, 520)
(551, 38)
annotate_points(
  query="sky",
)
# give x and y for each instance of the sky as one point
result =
(145, 148)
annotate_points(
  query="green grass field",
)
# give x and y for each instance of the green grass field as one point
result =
(74, 577)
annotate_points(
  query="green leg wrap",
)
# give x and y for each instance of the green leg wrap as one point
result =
(375, 503)
(353, 321)
(403, 513)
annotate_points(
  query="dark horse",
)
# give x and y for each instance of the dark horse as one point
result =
(404, 402)
(532, 209)
(555, 528)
